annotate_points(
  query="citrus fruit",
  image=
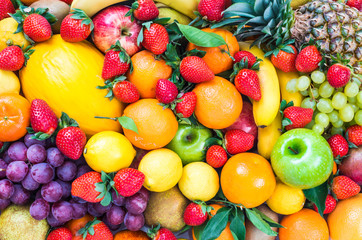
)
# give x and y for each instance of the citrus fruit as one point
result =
(162, 169)
(28, 2)
(199, 181)
(218, 103)
(109, 151)
(9, 82)
(345, 222)
(130, 235)
(217, 58)
(7, 28)
(304, 225)
(76, 224)
(335, 168)
(156, 126)
(285, 199)
(147, 70)
(247, 179)
(14, 116)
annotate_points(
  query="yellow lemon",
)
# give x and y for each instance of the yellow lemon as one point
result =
(109, 151)
(7, 28)
(162, 169)
(286, 200)
(9, 82)
(199, 181)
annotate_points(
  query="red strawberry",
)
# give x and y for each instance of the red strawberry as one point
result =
(212, 10)
(69, 2)
(308, 59)
(338, 75)
(116, 62)
(339, 145)
(37, 28)
(161, 234)
(42, 117)
(155, 38)
(356, 4)
(194, 215)
(6, 7)
(216, 156)
(298, 116)
(12, 58)
(246, 56)
(60, 234)
(187, 106)
(128, 181)
(85, 188)
(238, 141)
(144, 10)
(96, 230)
(247, 83)
(76, 26)
(71, 141)
(166, 91)
(330, 205)
(126, 92)
(195, 70)
(344, 187)
(354, 134)
(285, 60)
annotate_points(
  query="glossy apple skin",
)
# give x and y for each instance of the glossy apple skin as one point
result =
(352, 165)
(189, 143)
(310, 167)
(111, 25)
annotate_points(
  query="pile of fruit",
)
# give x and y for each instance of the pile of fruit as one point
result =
(182, 119)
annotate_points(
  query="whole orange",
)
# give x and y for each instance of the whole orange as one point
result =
(14, 116)
(304, 225)
(129, 235)
(76, 224)
(218, 103)
(156, 126)
(247, 179)
(217, 58)
(345, 222)
(147, 70)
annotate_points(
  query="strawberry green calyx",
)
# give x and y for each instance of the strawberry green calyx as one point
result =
(152, 232)
(130, 13)
(109, 86)
(243, 64)
(281, 46)
(284, 105)
(105, 187)
(66, 121)
(147, 25)
(123, 56)
(89, 228)
(81, 15)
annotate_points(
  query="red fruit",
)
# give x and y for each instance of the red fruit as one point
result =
(71, 141)
(146, 10)
(344, 187)
(187, 106)
(60, 234)
(1, 145)
(161, 234)
(12, 58)
(128, 181)
(285, 61)
(356, 4)
(76, 26)
(69, 2)
(339, 145)
(338, 75)
(166, 91)
(354, 135)
(37, 28)
(195, 70)
(238, 141)
(96, 230)
(6, 7)
(126, 92)
(155, 38)
(42, 117)
(330, 205)
(299, 116)
(193, 215)
(247, 83)
(216, 156)
(84, 187)
(116, 62)
(212, 10)
(246, 56)
(308, 59)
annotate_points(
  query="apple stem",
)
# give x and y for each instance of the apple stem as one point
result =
(294, 151)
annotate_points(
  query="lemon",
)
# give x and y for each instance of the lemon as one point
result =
(9, 82)
(162, 169)
(109, 151)
(297, 3)
(286, 200)
(199, 181)
(7, 28)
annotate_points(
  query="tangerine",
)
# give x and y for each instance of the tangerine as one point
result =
(76, 224)
(129, 235)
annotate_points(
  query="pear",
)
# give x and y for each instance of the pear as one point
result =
(167, 12)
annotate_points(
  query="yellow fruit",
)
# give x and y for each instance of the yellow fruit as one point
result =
(162, 168)
(9, 82)
(285, 199)
(186, 7)
(297, 3)
(28, 2)
(165, 11)
(92, 7)
(7, 28)
(109, 151)
(284, 78)
(199, 181)
(66, 76)
(268, 136)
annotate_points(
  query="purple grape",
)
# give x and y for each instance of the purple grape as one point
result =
(28, 141)
(92, 211)
(115, 215)
(52, 191)
(110, 226)
(52, 221)
(49, 143)
(7, 158)
(38, 194)
(21, 196)
(36, 154)
(136, 203)
(39, 209)
(80, 161)
(42, 173)
(118, 200)
(134, 222)
(55, 157)
(3, 167)
(99, 208)
(78, 200)
(62, 211)
(79, 209)
(145, 193)
(66, 188)
(29, 183)
(4, 203)
(67, 171)
(82, 169)
(17, 151)
(16, 171)
(6, 189)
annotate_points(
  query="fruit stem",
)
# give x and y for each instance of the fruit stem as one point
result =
(293, 150)
(114, 119)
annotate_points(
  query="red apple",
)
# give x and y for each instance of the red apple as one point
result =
(111, 25)
(352, 165)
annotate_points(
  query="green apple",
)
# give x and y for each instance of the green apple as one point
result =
(189, 142)
(302, 158)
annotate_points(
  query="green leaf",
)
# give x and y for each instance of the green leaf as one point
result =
(269, 220)
(237, 225)
(216, 224)
(107, 199)
(318, 196)
(99, 187)
(259, 223)
(128, 123)
(198, 230)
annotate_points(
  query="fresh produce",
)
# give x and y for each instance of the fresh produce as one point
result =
(165, 11)
(216, 156)
(252, 233)
(128, 181)
(330, 205)
(354, 135)
(268, 136)
(76, 26)
(6, 8)
(185, 7)
(195, 214)
(42, 118)
(161, 233)
(238, 141)
(7, 28)
(339, 145)
(299, 117)
(351, 166)
(60, 233)
(286, 95)
(155, 38)
(9, 82)
(92, 8)
(187, 104)
(84, 187)
(285, 58)
(12, 58)
(166, 91)
(195, 70)
(211, 10)
(247, 83)
(344, 187)
(144, 10)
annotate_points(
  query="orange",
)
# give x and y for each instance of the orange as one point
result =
(218, 103)
(216, 57)
(28, 2)
(335, 168)
(147, 70)
(304, 225)
(76, 224)
(247, 179)
(129, 235)
(345, 222)
(156, 126)
(14, 116)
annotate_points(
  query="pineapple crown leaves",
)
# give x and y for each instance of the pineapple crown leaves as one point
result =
(284, 105)
(243, 64)
(147, 25)
(126, 122)
(104, 188)
(89, 228)
(81, 15)
(281, 47)
(130, 13)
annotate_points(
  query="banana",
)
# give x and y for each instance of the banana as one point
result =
(268, 136)
(165, 11)
(266, 109)
(186, 7)
(284, 78)
(91, 7)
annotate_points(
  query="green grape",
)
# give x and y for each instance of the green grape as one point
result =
(358, 117)
(292, 86)
(313, 93)
(304, 93)
(338, 123)
(326, 90)
(351, 89)
(318, 128)
(322, 119)
(339, 100)
(303, 83)
(318, 76)
(357, 81)
(324, 105)
(359, 97)
(308, 103)
(333, 116)
(339, 89)
(352, 99)
(335, 130)
(359, 105)
(355, 107)
(346, 114)
(310, 124)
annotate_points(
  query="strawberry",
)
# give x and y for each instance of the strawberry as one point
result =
(194, 214)
(6, 7)
(187, 106)
(42, 117)
(212, 10)
(126, 92)
(195, 70)
(96, 230)
(69, 2)
(60, 234)
(166, 91)
(339, 145)
(71, 141)
(158, 233)
(356, 4)
(354, 135)
(338, 75)
(76, 26)
(37, 28)
(308, 59)
(116, 62)
(299, 117)
(143, 10)
(330, 205)
(155, 38)
(285, 59)
(216, 156)
(12, 58)
(246, 56)
(238, 141)
(344, 187)
(247, 82)
(85, 187)
(128, 181)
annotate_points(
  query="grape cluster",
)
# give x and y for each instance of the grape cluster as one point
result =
(332, 107)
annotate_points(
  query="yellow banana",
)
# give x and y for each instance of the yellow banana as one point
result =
(284, 78)
(265, 110)
(268, 136)
(167, 12)
(93, 6)
(186, 7)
